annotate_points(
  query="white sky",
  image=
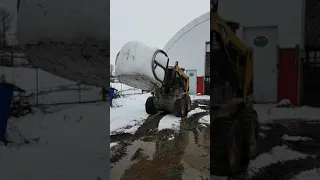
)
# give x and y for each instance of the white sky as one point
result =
(153, 22)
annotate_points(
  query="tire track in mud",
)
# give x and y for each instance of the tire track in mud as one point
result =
(290, 168)
(125, 139)
(166, 161)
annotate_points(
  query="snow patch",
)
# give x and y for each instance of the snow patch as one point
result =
(262, 135)
(285, 102)
(171, 137)
(202, 105)
(113, 144)
(129, 114)
(266, 128)
(205, 119)
(169, 122)
(63, 134)
(199, 97)
(269, 112)
(172, 122)
(308, 175)
(277, 154)
(295, 138)
(196, 110)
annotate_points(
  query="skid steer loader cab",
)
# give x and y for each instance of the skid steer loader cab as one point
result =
(173, 96)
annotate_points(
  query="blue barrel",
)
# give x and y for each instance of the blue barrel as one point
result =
(111, 95)
(6, 92)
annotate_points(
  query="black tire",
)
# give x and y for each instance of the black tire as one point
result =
(150, 107)
(226, 147)
(180, 108)
(251, 133)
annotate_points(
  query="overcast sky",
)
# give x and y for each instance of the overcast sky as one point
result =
(153, 22)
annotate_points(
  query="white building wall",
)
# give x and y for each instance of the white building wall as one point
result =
(188, 46)
(288, 15)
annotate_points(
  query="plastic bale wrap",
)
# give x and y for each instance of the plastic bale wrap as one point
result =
(134, 66)
(68, 38)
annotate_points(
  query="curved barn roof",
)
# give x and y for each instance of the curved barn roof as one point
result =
(194, 23)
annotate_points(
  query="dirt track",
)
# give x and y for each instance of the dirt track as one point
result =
(149, 154)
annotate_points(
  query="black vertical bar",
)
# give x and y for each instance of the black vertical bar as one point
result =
(37, 87)
(79, 89)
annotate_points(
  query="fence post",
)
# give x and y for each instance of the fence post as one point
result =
(103, 94)
(12, 63)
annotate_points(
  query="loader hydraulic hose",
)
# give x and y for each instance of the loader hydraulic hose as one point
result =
(156, 63)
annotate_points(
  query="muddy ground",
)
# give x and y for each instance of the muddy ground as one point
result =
(152, 154)
(270, 137)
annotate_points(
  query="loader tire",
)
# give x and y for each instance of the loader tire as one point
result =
(251, 135)
(180, 108)
(226, 147)
(150, 107)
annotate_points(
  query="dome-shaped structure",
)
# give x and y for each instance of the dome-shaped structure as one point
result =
(188, 46)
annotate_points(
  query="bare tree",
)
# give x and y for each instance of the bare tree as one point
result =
(5, 25)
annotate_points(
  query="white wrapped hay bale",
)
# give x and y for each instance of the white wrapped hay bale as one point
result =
(140, 66)
(69, 38)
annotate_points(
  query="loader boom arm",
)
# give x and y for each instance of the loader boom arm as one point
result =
(231, 67)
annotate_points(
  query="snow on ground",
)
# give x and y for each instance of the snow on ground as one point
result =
(285, 102)
(128, 113)
(205, 119)
(308, 175)
(113, 144)
(265, 128)
(295, 138)
(58, 138)
(200, 97)
(169, 121)
(269, 112)
(196, 110)
(277, 154)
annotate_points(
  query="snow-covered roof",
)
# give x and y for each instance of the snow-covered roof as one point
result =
(194, 23)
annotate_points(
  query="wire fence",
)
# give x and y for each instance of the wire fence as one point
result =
(43, 88)
(123, 89)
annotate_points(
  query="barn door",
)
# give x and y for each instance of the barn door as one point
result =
(288, 75)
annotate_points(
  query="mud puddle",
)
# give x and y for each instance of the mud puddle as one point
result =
(165, 155)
